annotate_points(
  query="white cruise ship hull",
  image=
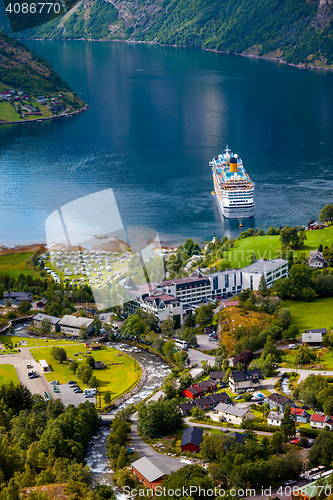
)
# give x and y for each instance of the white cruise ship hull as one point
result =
(233, 188)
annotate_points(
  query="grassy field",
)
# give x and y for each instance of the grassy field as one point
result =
(117, 379)
(36, 342)
(44, 109)
(324, 359)
(8, 374)
(7, 112)
(309, 315)
(15, 264)
(268, 247)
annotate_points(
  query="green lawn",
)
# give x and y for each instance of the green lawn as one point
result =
(35, 342)
(324, 357)
(309, 315)
(268, 247)
(117, 379)
(15, 264)
(7, 112)
(8, 374)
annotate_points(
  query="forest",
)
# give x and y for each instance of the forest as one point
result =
(294, 31)
(43, 442)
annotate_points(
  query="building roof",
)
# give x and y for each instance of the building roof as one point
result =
(159, 298)
(18, 296)
(204, 401)
(216, 374)
(274, 415)
(312, 337)
(184, 282)
(299, 411)
(317, 330)
(240, 439)
(231, 410)
(195, 390)
(192, 435)
(220, 397)
(39, 317)
(262, 266)
(315, 417)
(186, 407)
(43, 363)
(151, 468)
(231, 303)
(279, 399)
(243, 375)
(206, 384)
(75, 321)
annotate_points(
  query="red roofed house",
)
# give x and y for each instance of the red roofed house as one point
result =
(300, 415)
(200, 389)
(321, 421)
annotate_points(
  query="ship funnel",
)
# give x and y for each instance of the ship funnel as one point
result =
(233, 164)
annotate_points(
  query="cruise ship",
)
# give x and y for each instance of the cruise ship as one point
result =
(233, 187)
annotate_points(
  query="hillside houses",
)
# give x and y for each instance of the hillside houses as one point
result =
(200, 389)
(321, 421)
(205, 403)
(229, 413)
(278, 401)
(245, 379)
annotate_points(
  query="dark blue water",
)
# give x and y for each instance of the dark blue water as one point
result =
(156, 117)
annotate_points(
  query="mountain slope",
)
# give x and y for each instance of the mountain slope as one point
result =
(297, 31)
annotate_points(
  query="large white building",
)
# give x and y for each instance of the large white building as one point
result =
(172, 298)
(271, 270)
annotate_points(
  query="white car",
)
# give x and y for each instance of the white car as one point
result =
(290, 482)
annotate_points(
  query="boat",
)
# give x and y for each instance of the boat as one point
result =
(233, 187)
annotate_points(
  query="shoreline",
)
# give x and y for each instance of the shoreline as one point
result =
(267, 58)
(33, 247)
(84, 108)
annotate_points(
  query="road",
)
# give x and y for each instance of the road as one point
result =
(231, 429)
(144, 450)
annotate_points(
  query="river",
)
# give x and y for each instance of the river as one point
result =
(156, 117)
(96, 453)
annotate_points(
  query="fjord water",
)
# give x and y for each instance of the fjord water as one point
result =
(156, 117)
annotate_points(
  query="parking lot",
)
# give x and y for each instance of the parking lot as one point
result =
(205, 344)
(67, 395)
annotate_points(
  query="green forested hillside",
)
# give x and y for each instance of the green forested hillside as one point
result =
(20, 68)
(297, 31)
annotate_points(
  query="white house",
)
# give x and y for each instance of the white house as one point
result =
(316, 259)
(229, 413)
(321, 421)
(274, 418)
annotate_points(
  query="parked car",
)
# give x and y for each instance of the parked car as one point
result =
(238, 397)
(33, 375)
(289, 482)
(71, 382)
(55, 382)
(295, 441)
